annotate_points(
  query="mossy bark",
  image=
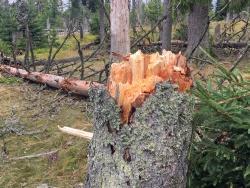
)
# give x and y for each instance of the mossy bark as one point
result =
(149, 152)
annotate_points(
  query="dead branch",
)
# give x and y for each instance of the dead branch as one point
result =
(240, 57)
(76, 132)
(80, 53)
(91, 56)
(90, 44)
(50, 62)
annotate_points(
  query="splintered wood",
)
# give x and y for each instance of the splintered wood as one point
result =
(131, 82)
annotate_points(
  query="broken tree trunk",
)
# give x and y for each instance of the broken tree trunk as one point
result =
(150, 152)
(151, 149)
(80, 87)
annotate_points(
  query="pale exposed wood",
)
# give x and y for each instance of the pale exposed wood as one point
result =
(132, 80)
(76, 132)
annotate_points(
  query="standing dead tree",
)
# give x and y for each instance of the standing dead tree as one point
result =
(119, 30)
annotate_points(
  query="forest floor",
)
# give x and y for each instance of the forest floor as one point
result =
(34, 112)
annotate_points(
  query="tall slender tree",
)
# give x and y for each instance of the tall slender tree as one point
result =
(119, 17)
(198, 20)
(167, 25)
(101, 20)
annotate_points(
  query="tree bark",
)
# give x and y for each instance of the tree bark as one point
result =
(101, 20)
(27, 48)
(167, 25)
(81, 30)
(140, 11)
(75, 86)
(14, 47)
(197, 22)
(133, 18)
(32, 52)
(119, 17)
(150, 152)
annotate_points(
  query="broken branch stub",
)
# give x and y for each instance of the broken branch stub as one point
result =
(132, 81)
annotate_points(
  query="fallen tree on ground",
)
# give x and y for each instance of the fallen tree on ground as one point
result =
(80, 87)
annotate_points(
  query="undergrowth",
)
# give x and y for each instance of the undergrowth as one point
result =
(221, 145)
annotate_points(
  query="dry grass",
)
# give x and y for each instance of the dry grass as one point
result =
(68, 167)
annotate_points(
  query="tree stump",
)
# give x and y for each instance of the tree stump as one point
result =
(149, 151)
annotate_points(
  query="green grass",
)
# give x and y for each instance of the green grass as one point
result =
(9, 80)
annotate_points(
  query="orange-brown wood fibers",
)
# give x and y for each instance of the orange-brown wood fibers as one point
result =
(131, 81)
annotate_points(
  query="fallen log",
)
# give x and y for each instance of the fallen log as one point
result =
(86, 46)
(80, 87)
(179, 43)
(151, 149)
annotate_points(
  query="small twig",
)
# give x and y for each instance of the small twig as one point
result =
(34, 155)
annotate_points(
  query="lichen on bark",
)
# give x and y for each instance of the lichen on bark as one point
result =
(149, 152)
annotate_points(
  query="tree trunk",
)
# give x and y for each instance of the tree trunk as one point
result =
(101, 20)
(150, 152)
(140, 12)
(27, 48)
(167, 25)
(32, 52)
(14, 47)
(134, 18)
(75, 86)
(119, 15)
(197, 26)
(81, 30)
